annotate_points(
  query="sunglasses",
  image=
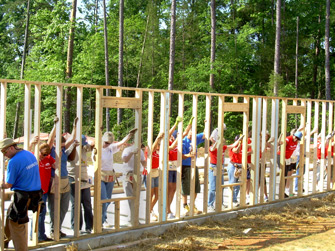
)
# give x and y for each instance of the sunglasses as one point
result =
(4, 151)
(44, 154)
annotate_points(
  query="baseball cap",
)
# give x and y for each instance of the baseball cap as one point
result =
(298, 135)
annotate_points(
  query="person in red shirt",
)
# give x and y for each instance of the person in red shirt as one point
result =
(213, 153)
(45, 165)
(248, 167)
(318, 151)
(154, 175)
(291, 144)
(235, 156)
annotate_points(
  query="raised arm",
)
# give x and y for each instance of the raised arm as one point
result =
(173, 145)
(213, 146)
(204, 136)
(72, 137)
(127, 138)
(52, 134)
(126, 158)
(236, 143)
(158, 139)
(33, 142)
(178, 120)
(189, 127)
(280, 142)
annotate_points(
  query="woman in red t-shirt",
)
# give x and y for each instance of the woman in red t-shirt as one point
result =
(154, 175)
(45, 165)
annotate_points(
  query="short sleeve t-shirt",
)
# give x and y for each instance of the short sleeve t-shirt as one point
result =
(235, 157)
(129, 166)
(155, 160)
(64, 172)
(45, 167)
(318, 150)
(107, 157)
(23, 172)
(173, 154)
(213, 155)
(290, 147)
(187, 147)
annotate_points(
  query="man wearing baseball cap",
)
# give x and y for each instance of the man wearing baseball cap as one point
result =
(24, 179)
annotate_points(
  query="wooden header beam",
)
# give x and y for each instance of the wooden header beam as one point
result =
(236, 107)
(122, 102)
(296, 109)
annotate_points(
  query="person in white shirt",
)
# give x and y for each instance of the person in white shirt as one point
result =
(128, 171)
(107, 171)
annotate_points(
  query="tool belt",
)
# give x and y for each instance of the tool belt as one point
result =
(108, 176)
(130, 176)
(238, 170)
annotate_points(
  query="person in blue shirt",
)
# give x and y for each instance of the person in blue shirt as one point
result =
(188, 154)
(67, 147)
(23, 178)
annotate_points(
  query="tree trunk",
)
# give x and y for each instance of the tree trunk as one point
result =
(16, 121)
(296, 68)
(213, 40)
(277, 48)
(96, 15)
(315, 61)
(25, 45)
(68, 96)
(272, 12)
(120, 71)
(142, 54)
(296, 59)
(327, 67)
(106, 63)
(172, 48)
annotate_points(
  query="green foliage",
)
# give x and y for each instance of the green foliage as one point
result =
(245, 35)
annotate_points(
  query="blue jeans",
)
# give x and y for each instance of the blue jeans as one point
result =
(85, 201)
(212, 185)
(106, 193)
(144, 181)
(232, 179)
(41, 220)
(297, 173)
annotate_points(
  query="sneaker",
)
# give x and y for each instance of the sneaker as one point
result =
(247, 201)
(286, 196)
(186, 210)
(171, 216)
(153, 216)
(61, 235)
(236, 204)
(266, 199)
(105, 225)
(224, 207)
(196, 211)
(211, 209)
(45, 239)
(87, 231)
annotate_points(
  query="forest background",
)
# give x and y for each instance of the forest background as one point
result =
(245, 34)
